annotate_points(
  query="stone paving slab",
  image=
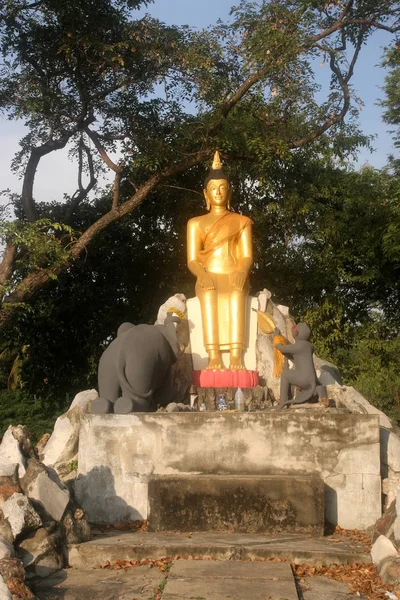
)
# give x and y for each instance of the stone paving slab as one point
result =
(294, 548)
(216, 580)
(322, 588)
(137, 583)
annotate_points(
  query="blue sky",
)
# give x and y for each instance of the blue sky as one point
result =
(57, 175)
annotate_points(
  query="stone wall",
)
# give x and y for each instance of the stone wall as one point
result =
(118, 454)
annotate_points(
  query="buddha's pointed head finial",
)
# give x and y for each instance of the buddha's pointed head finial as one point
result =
(216, 174)
(216, 165)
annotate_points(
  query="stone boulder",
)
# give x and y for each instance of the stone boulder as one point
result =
(20, 515)
(349, 398)
(62, 446)
(12, 568)
(45, 490)
(11, 453)
(9, 484)
(6, 549)
(387, 560)
(390, 463)
(4, 591)
(76, 526)
(5, 529)
(264, 346)
(381, 550)
(13, 573)
(42, 552)
(389, 571)
(385, 524)
(327, 373)
(41, 445)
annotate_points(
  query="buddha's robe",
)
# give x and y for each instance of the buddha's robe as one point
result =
(223, 309)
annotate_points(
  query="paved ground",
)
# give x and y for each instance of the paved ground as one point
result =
(214, 580)
(74, 584)
(232, 575)
(191, 580)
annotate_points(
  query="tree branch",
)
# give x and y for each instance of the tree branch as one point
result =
(7, 265)
(36, 280)
(116, 186)
(33, 162)
(101, 150)
(82, 191)
(343, 82)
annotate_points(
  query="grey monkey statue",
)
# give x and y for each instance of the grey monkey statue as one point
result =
(134, 373)
(303, 375)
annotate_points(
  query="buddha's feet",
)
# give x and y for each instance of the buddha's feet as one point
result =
(215, 361)
(235, 363)
(236, 366)
(214, 365)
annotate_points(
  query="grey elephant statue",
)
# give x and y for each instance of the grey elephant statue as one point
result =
(134, 373)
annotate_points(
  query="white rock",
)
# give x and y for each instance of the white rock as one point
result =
(265, 357)
(396, 524)
(390, 450)
(20, 514)
(42, 552)
(83, 398)
(263, 298)
(10, 452)
(49, 494)
(63, 442)
(4, 591)
(348, 397)
(6, 549)
(283, 309)
(390, 487)
(177, 301)
(7, 469)
(382, 549)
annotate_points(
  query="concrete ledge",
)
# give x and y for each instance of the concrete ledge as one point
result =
(296, 548)
(119, 454)
(252, 504)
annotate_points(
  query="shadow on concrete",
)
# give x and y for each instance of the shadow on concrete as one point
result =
(44, 588)
(331, 509)
(384, 442)
(96, 494)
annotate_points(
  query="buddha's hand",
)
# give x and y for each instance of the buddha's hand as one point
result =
(206, 282)
(238, 279)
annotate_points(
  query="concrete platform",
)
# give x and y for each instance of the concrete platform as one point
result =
(222, 546)
(118, 455)
(239, 504)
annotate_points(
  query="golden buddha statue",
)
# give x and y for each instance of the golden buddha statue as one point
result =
(220, 255)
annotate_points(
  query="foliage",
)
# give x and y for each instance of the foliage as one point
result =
(392, 91)
(93, 79)
(21, 408)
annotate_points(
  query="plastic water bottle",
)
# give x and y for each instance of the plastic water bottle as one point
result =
(239, 400)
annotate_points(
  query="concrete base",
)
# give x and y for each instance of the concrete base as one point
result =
(119, 454)
(252, 504)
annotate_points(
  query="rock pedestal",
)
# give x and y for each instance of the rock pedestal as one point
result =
(119, 454)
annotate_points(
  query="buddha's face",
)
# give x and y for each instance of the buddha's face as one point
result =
(217, 193)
